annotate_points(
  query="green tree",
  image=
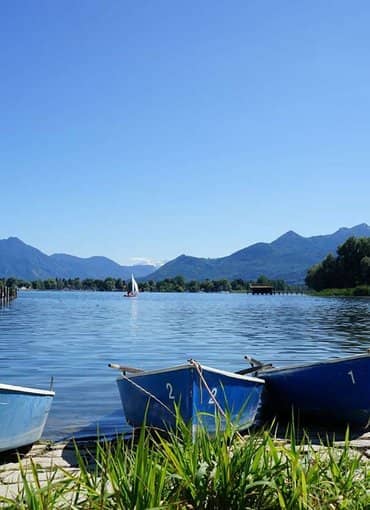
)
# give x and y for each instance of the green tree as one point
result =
(179, 284)
(38, 285)
(263, 280)
(348, 270)
(350, 255)
(50, 284)
(77, 285)
(88, 284)
(279, 285)
(365, 269)
(119, 284)
(59, 283)
(193, 286)
(222, 285)
(238, 285)
(109, 284)
(208, 286)
(11, 282)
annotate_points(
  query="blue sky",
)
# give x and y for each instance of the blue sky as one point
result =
(144, 130)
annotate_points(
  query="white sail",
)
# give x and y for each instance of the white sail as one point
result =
(134, 285)
(134, 291)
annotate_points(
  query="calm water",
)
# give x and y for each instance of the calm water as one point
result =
(72, 336)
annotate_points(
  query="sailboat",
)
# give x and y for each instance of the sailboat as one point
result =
(134, 288)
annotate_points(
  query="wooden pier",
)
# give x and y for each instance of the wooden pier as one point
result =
(261, 289)
(7, 294)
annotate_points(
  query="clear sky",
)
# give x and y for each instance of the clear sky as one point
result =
(148, 129)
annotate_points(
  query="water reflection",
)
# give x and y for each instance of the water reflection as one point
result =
(74, 335)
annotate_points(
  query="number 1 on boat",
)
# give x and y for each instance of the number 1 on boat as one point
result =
(350, 373)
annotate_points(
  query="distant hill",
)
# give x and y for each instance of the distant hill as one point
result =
(287, 258)
(22, 261)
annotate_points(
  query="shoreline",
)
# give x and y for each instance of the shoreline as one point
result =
(55, 459)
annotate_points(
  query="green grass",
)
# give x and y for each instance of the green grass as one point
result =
(360, 290)
(187, 470)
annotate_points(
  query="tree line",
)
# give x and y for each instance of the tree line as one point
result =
(176, 284)
(350, 269)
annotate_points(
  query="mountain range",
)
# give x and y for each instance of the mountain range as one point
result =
(22, 261)
(287, 258)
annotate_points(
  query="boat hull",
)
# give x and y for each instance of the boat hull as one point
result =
(151, 398)
(335, 391)
(23, 414)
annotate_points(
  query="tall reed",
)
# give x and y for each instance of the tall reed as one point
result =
(188, 469)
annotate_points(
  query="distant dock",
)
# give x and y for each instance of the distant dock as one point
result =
(262, 289)
(7, 294)
(269, 289)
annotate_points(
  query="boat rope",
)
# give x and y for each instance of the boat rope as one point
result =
(198, 368)
(146, 392)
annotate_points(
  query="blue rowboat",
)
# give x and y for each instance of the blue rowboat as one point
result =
(23, 414)
(335, 391)
(199, 393)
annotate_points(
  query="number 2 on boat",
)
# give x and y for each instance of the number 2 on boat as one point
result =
(171, 396)
(213, 397)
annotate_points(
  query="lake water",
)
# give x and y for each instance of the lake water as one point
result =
(72, 336)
